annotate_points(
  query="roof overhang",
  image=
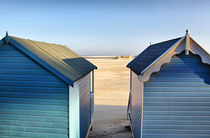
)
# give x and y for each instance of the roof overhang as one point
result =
(186, 43)
(7, 39)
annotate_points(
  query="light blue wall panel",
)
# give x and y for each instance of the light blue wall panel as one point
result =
(33, 102)
(177, 100)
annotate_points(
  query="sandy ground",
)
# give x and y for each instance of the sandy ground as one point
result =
(111, 99)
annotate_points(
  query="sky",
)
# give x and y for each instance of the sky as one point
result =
(106, 27)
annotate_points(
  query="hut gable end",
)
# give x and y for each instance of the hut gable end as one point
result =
(33, 101)
(151, 59)
(58, 59)
(176, 89)
(176, 99)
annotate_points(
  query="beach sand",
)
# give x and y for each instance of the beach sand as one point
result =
(111, 99)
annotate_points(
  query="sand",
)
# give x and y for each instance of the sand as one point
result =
(111, 99)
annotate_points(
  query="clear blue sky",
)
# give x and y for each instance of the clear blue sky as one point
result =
(106, 27)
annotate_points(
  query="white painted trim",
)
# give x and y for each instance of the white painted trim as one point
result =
(177, 43)
(166, 58)
(198, 50)
(194, 47)
(74, 111)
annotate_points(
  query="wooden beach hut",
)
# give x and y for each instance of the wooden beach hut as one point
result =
(46, 90)
(170, 90)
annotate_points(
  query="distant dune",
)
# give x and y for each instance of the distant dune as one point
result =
(108, 57)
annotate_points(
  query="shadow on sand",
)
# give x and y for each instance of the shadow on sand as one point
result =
(110, 122)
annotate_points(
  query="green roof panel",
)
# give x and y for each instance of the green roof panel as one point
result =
(60, 57)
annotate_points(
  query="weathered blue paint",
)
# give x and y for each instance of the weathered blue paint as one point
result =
(33, 101)
(176, 100)
(85, 116)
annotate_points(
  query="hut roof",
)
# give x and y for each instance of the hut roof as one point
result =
(59, 59)
(150, 54)
(145, 63)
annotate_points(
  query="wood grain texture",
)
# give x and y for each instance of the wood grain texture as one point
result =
(176, 99)
(33, 102)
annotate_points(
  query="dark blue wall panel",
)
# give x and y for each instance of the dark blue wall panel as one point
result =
(33, 102)
(177, 100)
(85, 105)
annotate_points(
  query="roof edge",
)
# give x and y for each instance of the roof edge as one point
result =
(8, 39)
(177, 48)
(163, 54)
(200, 51)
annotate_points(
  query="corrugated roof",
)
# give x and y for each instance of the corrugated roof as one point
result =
(61, 58)
(149, 55)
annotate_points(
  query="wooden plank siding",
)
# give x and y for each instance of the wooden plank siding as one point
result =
(92, 96)
(177, 100)
(33, 102)
(136, 105)
(84, 85)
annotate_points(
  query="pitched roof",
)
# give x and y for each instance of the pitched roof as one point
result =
(61, 58)
(149, 55)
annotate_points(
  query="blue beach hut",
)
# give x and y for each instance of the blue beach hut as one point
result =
(170, 90)
(46, 90)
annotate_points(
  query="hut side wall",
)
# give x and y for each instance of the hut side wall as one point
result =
(33, 102)
(84, 85)
(176, 100)
(136, 105)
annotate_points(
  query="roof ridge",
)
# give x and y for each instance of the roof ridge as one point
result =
(37, 41)
(68, 57)
(50, 56)
(165, 41)
(141, 62)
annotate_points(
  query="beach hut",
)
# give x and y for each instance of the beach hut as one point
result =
(46, 90)
(170, 90)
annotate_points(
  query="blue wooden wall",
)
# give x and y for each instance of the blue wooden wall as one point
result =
(136, 105)
(91, 105)
(92, 96)
(33, 102)
(85, 105)
(177, 100)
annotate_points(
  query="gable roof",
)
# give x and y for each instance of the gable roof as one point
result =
(152, 58)
(149, 55)
(60, 60)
